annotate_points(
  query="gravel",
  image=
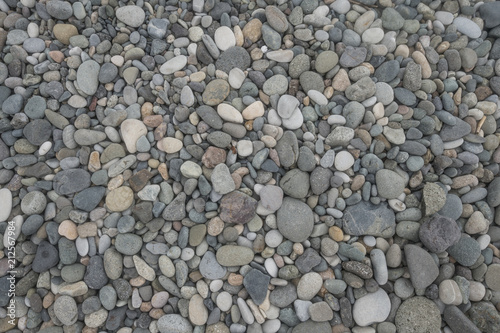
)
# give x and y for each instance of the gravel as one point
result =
(290, 166)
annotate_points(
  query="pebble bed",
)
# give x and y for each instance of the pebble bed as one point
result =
(250, 166)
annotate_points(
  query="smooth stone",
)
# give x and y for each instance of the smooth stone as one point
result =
(372, 308)
(5, 204)
(271, 197)
(434, 198)
(46, 257)
(173, 65)
(224, 38)
(458, 321)
(309, 285)
(438, 233)
(131, 15)
(71, 181)
(490, 14)
(492, 277)
(95, 277)
(221, 179)
(423, 270)
(295, 220)
(233, 255)
(174, 323)
(466, 251)
(210, 268)
(128, 244)
(215, 92)
(33, 203)
(66, 310)
(467, 27)
(389, 184)
(485, 316)
(256, 284)
(87, 77)
(120, 199)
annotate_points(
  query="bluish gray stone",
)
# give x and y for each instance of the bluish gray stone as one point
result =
(365, 218)
(256, 284)
(46, 257)
(89, 198)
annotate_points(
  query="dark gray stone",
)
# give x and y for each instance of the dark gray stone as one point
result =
(89, 198)
(366, 218)
(283, 296)
(438, 233)
(37, 131)
(256, 284)
(95, 276)
(485, 317)
(46, 257)
(308, 260)
(458, 321)
(71, 181)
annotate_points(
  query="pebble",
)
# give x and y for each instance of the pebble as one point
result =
(423, 270)
(418, 312)
(295, 220)
(438, 233)
(232, 255)
(5, 204)
(365, 218)
(389, 184)
(171, 323)
(131, 15)
(371, 308)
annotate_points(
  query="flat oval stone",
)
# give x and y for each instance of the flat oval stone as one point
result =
(216, 92)
(71, 181)
(295, 220)
(467, 27)
(372, 308)
(87, 77)
(234, 255)
(173, 65)
(131, 15)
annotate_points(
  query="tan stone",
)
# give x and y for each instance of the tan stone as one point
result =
(120, 199)
(63, 32)
(341, 80)
(94, 161)
(238, 35)
(88, 229)
(162, 169)
(57, 56)
(198, 313)
(254, 110)
(131, 131)
(420, 59)
(336, 233)
(253, 30)
(215, 226)
(169, 145)
(68, 229)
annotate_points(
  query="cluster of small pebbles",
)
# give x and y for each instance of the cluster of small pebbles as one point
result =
(260, 166)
